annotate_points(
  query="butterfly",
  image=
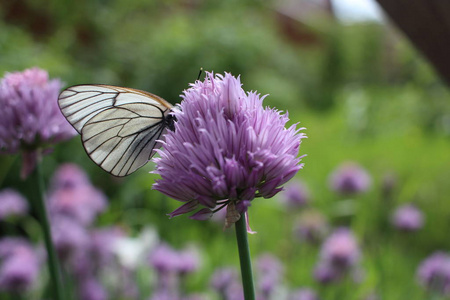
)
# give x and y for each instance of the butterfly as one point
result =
(119, 126)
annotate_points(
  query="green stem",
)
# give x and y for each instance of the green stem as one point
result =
(43, 219)
(244, 258)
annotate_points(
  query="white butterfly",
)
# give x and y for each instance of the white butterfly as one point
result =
(119, 126)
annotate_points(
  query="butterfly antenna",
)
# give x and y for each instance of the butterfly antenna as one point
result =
(199, 73)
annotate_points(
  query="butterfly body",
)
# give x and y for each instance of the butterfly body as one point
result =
(119, 127)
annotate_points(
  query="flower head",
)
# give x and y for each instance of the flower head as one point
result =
(226, 149)
(349, 179)
(69, 176)
(225, 281)
(311, 226)
(73, 196)
(189, 260)
(164, 259)
(408, 218)
(92, 289)
(31, 118)
(303, 294)
(296, 195)
(12, 204)
(271, 270)
(68, 237)
(341, 249)
(339, 256)
(224, 278)
(19, 266)
(434, 273)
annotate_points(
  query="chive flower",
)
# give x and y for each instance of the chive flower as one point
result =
(226, 150)
(30, 116)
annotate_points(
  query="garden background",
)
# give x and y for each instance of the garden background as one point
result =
(362, 91)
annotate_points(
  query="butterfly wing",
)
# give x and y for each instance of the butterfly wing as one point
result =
(118, 126)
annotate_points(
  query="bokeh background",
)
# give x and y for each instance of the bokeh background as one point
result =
(364, 93)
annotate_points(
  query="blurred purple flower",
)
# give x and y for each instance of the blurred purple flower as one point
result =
(225, 281)
(270, 271)
(9, 244)
(81, 264)
(164, 258)
(341, 249)
(226, 148)
(223, 278)
(165, 295)
(88, 253)
(68, 236)
(326, 273)
(350, 178)
(408, 218)
(434, 273)
(339, 256)
(303, 294)
(31, 118)
(19, 267)
(189, 260)
(75, 197)
(296, 195)
(12, 204)
(102, 243)
(69, 176)
(92, 289)
(195, 297)
(311, 227)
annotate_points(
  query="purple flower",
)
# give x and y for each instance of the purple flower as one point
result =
(74, 196)
(341, 249)
(226, 148)
(165, 295)
(339, 256)
(9, 244)
(434, 273)
(326, 273)
(12, 204)
(296, 195)
(68, 236)
(270, 271)
(91, 289)
(31, 118)
(407, 218)
(311, 227)
(350, 178)
(303, 294)
(69, 176)
(164, 259)
(19, 267)
(102, 243)
(223, 278)
(189, 260)
(225, 282)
